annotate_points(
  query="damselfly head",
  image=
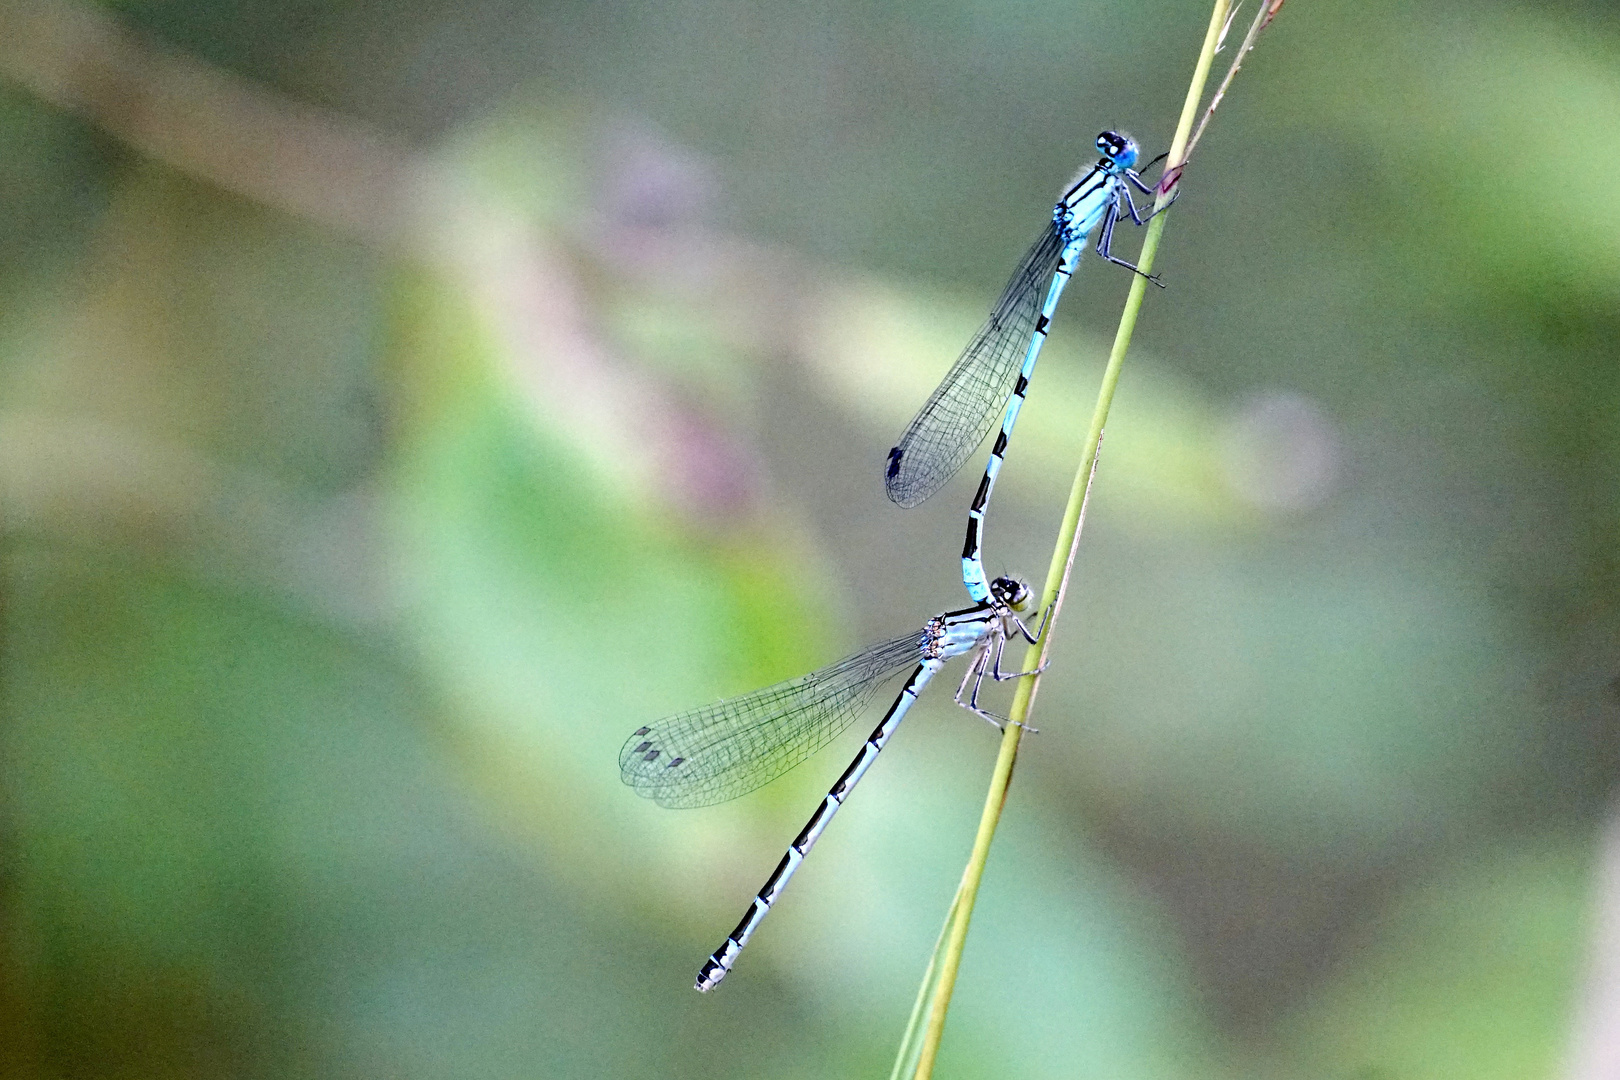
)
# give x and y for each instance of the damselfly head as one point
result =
(1010, 591)
(1118, 148)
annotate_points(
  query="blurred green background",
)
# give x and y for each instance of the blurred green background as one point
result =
(401, 403)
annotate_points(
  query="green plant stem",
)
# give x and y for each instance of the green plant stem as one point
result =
(1057, 577)
(905, 1062)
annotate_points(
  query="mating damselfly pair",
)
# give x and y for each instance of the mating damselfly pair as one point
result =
(721, 751)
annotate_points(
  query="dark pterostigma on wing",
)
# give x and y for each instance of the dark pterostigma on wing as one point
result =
(721, 751)
(969, 402)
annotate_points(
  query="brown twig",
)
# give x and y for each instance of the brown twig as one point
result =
(1262, 19)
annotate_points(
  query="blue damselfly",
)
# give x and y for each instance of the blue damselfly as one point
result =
(987, 378)
(721, 751)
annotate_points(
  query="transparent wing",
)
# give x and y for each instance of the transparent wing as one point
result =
(727, 749)
(963, 408)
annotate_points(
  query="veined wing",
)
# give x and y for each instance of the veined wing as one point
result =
(727, 749)
(968, 403)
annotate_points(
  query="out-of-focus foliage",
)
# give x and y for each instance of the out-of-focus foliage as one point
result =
(337, 565)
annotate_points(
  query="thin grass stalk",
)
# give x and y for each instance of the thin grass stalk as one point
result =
(1057, 578)
(1262, 19)
(905, 1061)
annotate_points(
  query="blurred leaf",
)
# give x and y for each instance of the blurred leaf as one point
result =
(55, 175)
(179, 327)
(1470, 973)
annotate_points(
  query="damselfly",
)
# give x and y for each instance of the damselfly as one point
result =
(721, 751)
(987, 376)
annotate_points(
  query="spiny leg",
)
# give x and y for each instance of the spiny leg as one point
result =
(1105, 241)
(1131, 206)
(1000, 722)
(1002, 676)
(975, 675)
(1136, 175)
(1024, 630)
